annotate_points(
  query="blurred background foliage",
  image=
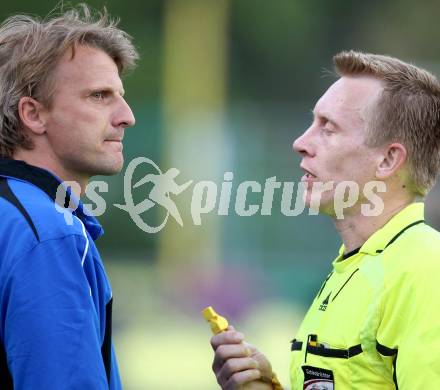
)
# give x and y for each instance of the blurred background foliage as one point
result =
(226, 86)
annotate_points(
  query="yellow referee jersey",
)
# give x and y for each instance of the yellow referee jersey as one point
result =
(375, 323)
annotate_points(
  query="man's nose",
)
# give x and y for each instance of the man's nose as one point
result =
(302, 144)
(124, 116)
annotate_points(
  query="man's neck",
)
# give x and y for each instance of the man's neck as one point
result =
(356, 229)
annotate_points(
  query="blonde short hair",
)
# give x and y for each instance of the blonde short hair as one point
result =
(407, 111)
(30, 49)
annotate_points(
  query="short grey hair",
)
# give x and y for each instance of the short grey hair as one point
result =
(30, 49)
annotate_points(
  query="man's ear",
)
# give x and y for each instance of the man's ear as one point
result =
(31, 115)
(393, 159)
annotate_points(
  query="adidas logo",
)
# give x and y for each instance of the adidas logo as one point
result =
(324, 304)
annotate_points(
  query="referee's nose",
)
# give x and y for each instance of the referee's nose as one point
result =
(303, 144)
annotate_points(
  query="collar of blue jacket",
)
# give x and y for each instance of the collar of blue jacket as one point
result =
(49, 183)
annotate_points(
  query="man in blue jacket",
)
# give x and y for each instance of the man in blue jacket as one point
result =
(62, 118)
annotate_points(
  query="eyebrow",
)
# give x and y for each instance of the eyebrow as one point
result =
(107, 89)
(326, 117)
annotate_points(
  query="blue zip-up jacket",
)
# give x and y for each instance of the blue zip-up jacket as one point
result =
(55, 298)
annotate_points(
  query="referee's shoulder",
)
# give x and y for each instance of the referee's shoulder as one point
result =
(416, 251)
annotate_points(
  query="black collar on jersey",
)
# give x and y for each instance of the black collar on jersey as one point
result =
(400, 233)
(353, 252)
(39, 177)
(349, 254)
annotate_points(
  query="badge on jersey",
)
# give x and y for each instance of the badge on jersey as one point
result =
(318, 379)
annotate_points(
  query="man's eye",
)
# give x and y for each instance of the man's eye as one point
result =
(326, 131)
(98, 95)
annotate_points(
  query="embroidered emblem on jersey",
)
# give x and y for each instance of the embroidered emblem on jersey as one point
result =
(318, 379)
(324, 304)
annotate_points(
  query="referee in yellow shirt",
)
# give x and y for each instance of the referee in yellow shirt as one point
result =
(374, 322)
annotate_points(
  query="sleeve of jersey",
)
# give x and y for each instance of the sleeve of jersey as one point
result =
(409, 331)
(51, 333)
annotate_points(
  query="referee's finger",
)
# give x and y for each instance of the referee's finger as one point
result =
(228, 351)
(229, 336)
(239, 378)
(234, 365)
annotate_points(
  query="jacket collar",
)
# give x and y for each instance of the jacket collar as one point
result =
(406, 218)
(49, 183)
(385, 236)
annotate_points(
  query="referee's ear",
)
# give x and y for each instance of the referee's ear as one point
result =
(31, 115)
(391, 161)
